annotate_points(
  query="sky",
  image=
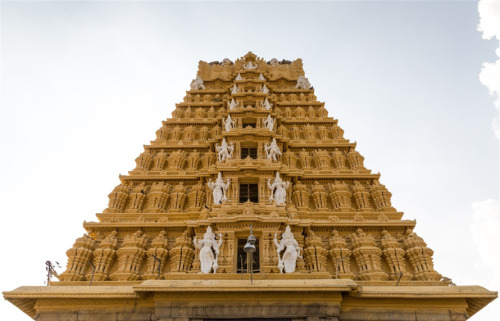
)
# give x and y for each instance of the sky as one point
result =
(84, 85)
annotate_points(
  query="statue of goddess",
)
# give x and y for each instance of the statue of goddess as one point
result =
(272, 150)
(226, 62)
(279, 189)
(228, 123)
(239, 77)
(232, 104)
(267, 104)
(207, 247)
(261, 77)
(274, 62)
(218, 189)
(292, 250)
(225, 151)
(234, 89)
(264, 89)
(197, 84)
(250, 65)
(303, 83)
(269, 122)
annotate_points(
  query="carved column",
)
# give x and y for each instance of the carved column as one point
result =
(159, 250)
(315, 255)
(368, 256)
(131, 257)
(420, 257)
(78, 257)
(182, 255)
(341, 256)
(136, 198)
(104, 257)
(394, 256)
(157, 198)
(320, 197)
(117, 199)
(340, 196)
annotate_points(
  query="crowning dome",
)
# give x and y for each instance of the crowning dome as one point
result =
(250, 150)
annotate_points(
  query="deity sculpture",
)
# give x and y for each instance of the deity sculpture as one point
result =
(197, 84)
(207, 246)
(218, 189)
(226, 62)
(250, 65)
(224, 150)
(278, 190)
(228, 123)
(238, 77)
(303, 83)
(264, 89)
(261, 77)
(267, 105)
(234, 89)
(274, 62)
(292, 251)
(272, 150)
(269, 122)
(232, 104)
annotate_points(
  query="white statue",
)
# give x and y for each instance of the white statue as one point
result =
(264, 89)
(269, 122)
(197, 84)
(225, 151)
(272, 150)
(228, 123)
(292, 251)
(250, 65)
(227, 62)
(218, 189)
(232, 104)
(274, 62)
(267, 104)
(239, 77)
(261, 77)
(303, 83)
(207, 260)
(234, 89)
(279, 189)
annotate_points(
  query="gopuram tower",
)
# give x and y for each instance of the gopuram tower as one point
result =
(250, 204)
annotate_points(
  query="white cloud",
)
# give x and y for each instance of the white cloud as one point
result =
(489, 25)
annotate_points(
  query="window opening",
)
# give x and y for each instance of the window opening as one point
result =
(249, 192)
(247, 151)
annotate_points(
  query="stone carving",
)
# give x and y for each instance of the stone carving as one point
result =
(234, 89)
(182, 255)
(224, 150)
(104, 256)
(341, 196)
(420, 257)
(178, 197)
(288, 261)
(355, 159)
(274, 62)
(368, 256)
(250, 65)
(207, 246)
(272, 150)
(159, 250)
(136, 198)
(394, 256)
(338, 158)
(196, 196)
(131, 257)
(361, 196)
(267, 105)
(381, 197)
(238, 77)
(269, 122)
(341, 256)
(159, 160)
(301, 195)
(228, 123)
(158, 198)
(78, 257)
(303, 83)
(117, 199)
(232, 104)
(144, 161)
(197, 84)
(261, 77)
(219, 189)
(264, 89)
(315, 255)
(278, 190)
(320, 196)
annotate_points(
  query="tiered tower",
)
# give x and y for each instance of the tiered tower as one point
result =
(251, 146)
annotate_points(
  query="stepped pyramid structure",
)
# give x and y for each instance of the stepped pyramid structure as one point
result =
(250, 151)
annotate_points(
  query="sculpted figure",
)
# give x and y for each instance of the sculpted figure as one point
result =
(264, 89)
(267, 105)
(218, 189)
(226, 62)
(238, 77)
(234, 89)
(207, 246)
(303, 83)
(269, 122)
(274, 62)
(261, 77)
(228, 123)
(292, 250)
(278, 188)
(225, 151)
(197, 84)
(272, 150)
(250, 65)
(232, 104)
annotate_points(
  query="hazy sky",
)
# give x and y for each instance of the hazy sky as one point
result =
(85, 84)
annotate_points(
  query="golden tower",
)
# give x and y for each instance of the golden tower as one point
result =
(250, 148)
